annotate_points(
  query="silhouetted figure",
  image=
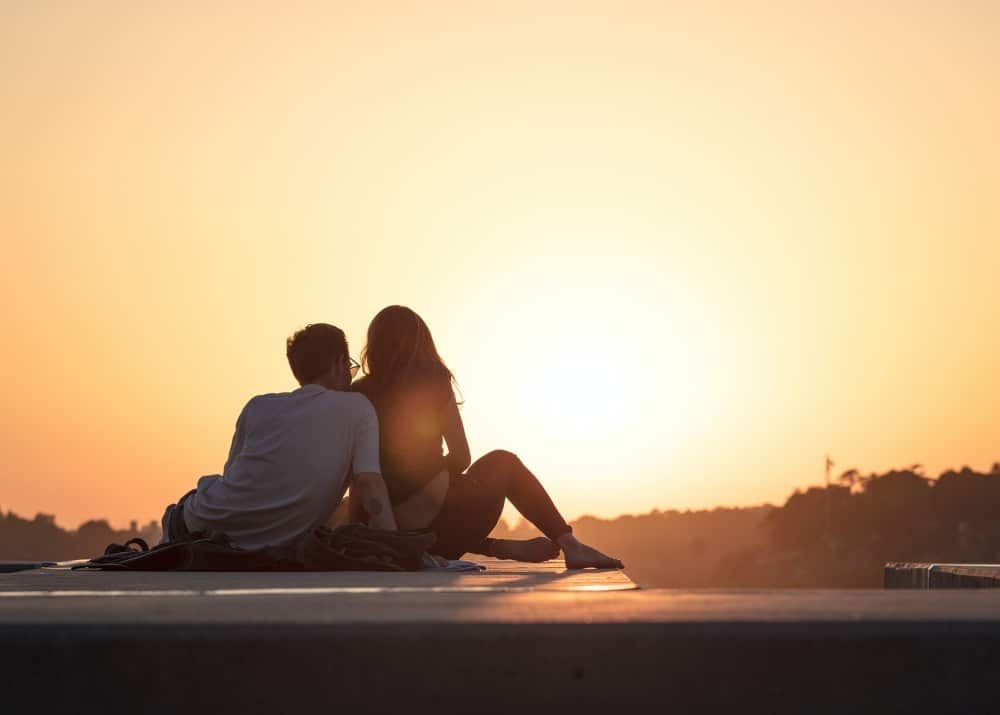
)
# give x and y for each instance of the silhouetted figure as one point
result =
(292, 456)
(411, 389)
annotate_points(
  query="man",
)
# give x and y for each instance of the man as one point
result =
(293, 456)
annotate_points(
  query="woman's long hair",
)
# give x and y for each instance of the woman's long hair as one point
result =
(400, 348)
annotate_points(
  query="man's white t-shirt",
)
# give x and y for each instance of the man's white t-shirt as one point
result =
(291, 460)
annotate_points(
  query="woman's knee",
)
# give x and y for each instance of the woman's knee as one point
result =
(502, 457)
(499, 468)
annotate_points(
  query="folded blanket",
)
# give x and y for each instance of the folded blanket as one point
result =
(347, 548)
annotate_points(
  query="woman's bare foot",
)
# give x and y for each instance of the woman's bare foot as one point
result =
(580, 556)
(531, 550)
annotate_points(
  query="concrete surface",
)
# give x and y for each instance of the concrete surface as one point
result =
(515, 639)
(12, 566)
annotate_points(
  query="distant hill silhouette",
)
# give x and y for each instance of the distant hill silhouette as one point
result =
(667, 549)
(833, 537)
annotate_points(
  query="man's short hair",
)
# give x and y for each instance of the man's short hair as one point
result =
(312, 351)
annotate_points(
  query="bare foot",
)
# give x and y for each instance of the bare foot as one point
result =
(531, 550)
(580, 556)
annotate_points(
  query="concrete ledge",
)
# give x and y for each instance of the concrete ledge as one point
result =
(514, 640)
(500, 668)
(920, 575)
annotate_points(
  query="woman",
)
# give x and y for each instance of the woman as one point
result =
(411, 389)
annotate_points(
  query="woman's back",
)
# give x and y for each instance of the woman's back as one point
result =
(411, 416)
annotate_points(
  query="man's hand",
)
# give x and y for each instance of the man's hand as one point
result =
(373, 497)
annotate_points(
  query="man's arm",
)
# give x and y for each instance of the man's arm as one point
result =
(368, 486)
(239, 436)
(373, 497)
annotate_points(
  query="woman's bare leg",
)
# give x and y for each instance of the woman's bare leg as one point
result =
(531, 550)
(528, 495)
(580, 556)
(473, 505)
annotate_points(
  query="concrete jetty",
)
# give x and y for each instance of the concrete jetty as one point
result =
(514, 639)
(924, 575)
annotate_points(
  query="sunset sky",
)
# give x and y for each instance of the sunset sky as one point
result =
(673, 252)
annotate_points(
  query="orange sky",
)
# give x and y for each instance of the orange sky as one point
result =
(674, 255)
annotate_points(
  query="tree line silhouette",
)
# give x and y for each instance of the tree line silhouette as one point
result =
(41, 539)
(838, 536)
(842, 535)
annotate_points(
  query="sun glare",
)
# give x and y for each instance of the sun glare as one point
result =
(582, 394)
(571, 393)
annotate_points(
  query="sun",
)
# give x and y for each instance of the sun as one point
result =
(575, 393)
(609, 364)
(622, 388)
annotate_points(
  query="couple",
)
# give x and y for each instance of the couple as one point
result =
(294, 454)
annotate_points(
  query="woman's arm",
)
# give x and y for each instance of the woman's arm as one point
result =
(458, 457)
